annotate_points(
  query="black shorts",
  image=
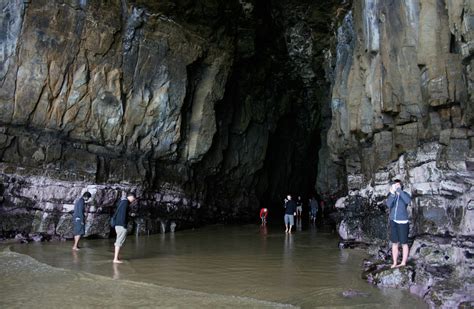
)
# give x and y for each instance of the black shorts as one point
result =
(399, 232)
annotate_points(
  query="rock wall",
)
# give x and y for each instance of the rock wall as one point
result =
(112, 79)
(209, 105)
(100, 93)
(401, 106)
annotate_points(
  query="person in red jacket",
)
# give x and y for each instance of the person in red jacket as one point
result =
(263, 215)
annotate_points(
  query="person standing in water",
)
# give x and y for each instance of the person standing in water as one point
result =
(263, 215)
(299, 206)
(398, 201)
(313, 208)
(78, 219)
(323, 206)
(290, 213)
(121, 220)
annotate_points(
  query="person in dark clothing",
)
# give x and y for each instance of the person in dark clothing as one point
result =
(121, 220)
(290, 213)
(78, 222)
(398, 201)
(299, 207)
(313, 208)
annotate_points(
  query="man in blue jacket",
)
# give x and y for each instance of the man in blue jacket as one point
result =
(121, 220)
(398, 201)
(78, 219)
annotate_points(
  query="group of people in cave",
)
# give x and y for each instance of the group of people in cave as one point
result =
(118, 221)
(397, 202)
(295, 209)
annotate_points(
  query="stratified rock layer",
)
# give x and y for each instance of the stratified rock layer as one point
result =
(401, 105)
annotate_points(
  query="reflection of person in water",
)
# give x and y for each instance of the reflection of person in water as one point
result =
(116, 275)
(263, 215)
(313, 208)
(75, 257)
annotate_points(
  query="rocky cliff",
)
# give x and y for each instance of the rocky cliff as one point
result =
(402, 107)
(205, 108)
(99, 93)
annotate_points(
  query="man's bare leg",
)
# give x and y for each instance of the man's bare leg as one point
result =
(286, 226)
(76, 242)
(405, 255)
(289, 231)
(394, 254)
(116, 256)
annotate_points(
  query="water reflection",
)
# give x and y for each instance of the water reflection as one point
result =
(299, 224)
(116, 271)
(305, 268)
(288, 270)
(343, 256)
(75, 257)
(288, 247)
(312, 227)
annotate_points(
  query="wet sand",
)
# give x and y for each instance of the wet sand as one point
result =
(27, 283)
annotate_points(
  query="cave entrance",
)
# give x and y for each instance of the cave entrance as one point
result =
(291, 163)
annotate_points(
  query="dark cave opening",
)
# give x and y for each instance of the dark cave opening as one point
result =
(290, 164)
(268, 88)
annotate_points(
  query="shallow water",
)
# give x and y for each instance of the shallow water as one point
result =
(225, 266)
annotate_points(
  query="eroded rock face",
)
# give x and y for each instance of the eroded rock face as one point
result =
(101, 93)
(191, 103)
(402, 109)
(114, 80)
